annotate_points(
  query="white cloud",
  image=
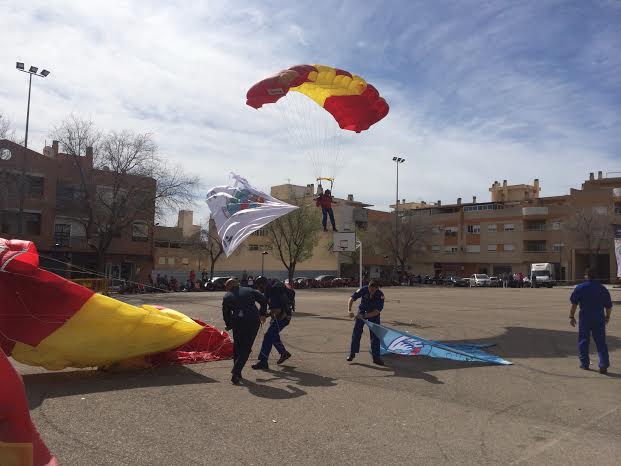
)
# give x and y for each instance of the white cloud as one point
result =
(471, 100)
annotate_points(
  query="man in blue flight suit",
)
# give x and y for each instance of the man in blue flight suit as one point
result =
(240, 313)
(593, 298)
(281, 301)
(371, 305)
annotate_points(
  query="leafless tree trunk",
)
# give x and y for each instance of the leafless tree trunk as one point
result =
(591, 229)
(295, 235)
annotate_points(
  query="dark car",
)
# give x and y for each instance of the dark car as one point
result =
(324, 281)
(216, 283)
(456, 281)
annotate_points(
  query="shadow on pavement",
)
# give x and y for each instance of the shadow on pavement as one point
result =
(273, 393)
(305, 379)
(82, 382)
(405, 369)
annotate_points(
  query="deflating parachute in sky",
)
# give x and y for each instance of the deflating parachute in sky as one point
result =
(46, 320)
(355, 105)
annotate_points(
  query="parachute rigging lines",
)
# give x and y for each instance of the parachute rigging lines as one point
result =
(326, 106)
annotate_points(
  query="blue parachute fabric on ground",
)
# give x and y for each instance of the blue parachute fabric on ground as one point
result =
(407, 344)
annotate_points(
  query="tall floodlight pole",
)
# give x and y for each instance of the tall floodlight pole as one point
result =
(33, 70)
(397, 160)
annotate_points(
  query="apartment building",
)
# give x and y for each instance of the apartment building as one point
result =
(517, 228)
(42, 200)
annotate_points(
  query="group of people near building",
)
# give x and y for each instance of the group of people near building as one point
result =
(245, 310)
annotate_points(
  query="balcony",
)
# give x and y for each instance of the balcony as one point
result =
(534, 211)
(62, 241)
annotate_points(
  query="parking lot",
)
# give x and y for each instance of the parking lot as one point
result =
(319, 409)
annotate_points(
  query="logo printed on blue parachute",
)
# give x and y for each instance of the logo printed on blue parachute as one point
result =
(405, 345)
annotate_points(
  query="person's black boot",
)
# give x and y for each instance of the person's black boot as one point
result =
(261, 365)
(603, 370)
(236, 379)
(378, 361)
(283, 357)
(351, 357)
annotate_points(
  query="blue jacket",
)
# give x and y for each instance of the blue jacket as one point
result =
(240, 304)
(593, 298)
(369, 303)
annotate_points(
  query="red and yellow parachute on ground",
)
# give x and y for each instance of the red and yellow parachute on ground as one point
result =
(48, 321)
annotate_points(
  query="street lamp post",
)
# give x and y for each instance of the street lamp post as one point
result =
(33, 70)
(263, 254)
(397, 160)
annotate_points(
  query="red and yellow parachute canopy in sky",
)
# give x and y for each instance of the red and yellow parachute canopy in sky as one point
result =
(46, 320)
(354, 104)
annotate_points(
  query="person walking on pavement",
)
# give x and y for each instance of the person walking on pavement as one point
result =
(240, 314)
(593, 298)
(370, 307)
(281, 301)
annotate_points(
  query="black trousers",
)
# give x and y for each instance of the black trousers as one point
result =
(244, 333)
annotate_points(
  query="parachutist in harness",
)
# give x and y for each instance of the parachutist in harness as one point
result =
(281, 300)
(325, 201)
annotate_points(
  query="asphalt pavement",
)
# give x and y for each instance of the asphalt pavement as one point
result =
(319, 409)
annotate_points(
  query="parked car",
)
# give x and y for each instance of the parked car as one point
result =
(216, 283)
(303, 282)
(324, 281)
(479, 279)
(456, 281)
(495, 282)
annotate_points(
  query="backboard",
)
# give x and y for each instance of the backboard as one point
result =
(344, 241)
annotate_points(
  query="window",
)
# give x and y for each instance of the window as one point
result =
(185, 261)
(260, 232)
(492, 247)
(491, 227)
(161, 261)
(600, 210)
(618, 208)
(479, 207)
(451, 249)
(474, 229)
(509, 247)
(473, 248)
(10, 222)
(558, 247)
(35, 186)
(435, 230)
(435, 248)
(556, 225)
(171, 261)
(32, 223)
(161, 244)
(535, 246)
(62, 235)
(537, 225)
(140, 231)
(450, 231)
(509, 227)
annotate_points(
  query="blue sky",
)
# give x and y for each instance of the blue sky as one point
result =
(479, 90)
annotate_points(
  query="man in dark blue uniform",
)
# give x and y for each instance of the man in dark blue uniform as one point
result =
(240, 313)
(371, 305)
(281, 301)
(593, 298)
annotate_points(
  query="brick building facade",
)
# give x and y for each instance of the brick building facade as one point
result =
(42, 200)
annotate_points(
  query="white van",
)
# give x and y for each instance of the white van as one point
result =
(542, 275)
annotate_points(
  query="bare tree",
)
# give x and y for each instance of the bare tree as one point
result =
(412, 236)
(295, 235)
(591, 230)
(5, 128)
(214, 245)
(131, 182)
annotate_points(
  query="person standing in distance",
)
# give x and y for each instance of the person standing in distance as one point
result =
(371, 305)
(240, 313)
(593, 298)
